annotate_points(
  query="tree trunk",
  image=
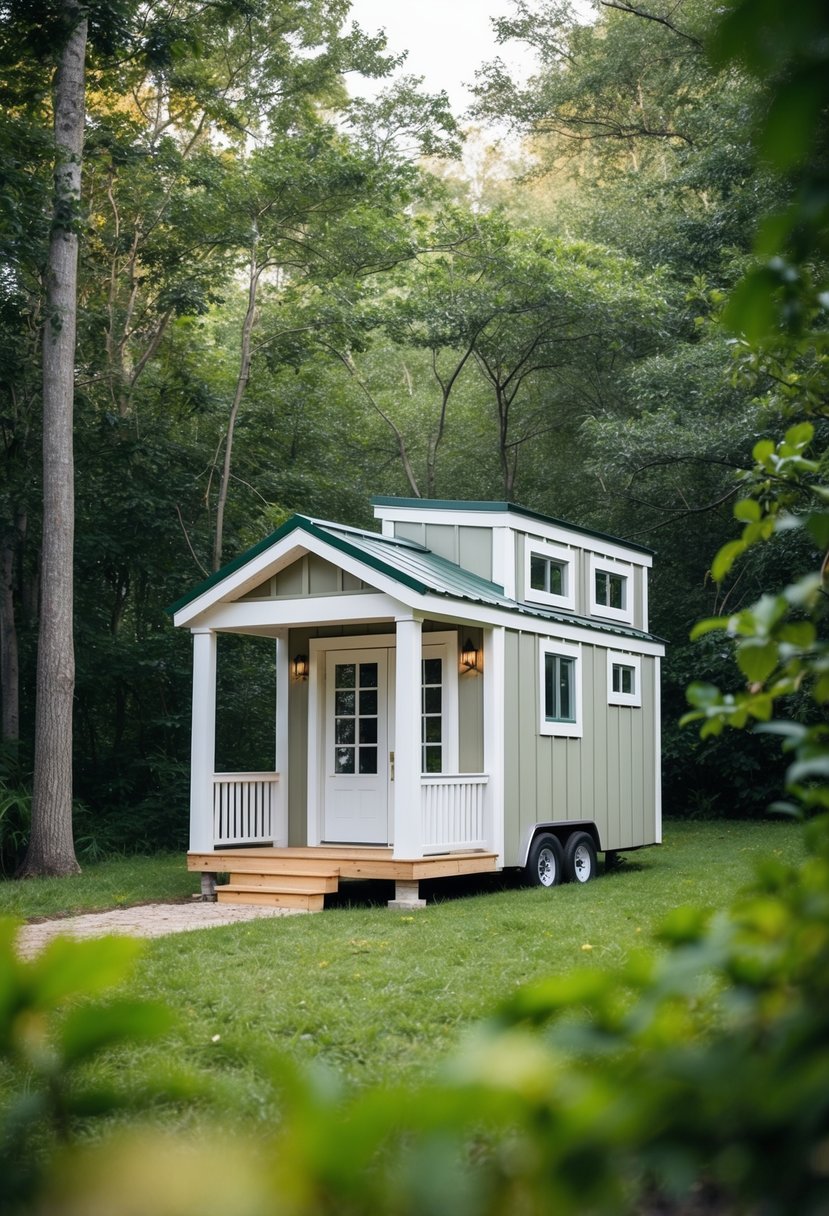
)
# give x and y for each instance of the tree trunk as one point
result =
(248, 326)
(51, 848)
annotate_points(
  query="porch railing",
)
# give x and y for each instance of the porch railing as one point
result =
(244, 807)
(452, 812)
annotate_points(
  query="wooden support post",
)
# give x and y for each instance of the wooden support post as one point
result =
(408, 841)
(203, 741)
(208, 888)
(406, 896)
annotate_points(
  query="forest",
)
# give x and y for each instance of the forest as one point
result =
(292, 298)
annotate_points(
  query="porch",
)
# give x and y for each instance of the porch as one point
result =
(301, 877)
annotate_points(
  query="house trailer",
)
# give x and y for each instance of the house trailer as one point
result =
(472, 687)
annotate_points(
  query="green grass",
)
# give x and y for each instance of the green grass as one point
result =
(114, 883)
(382, 996)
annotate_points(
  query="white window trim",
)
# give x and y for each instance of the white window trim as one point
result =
(567, 730)
(600, 565)
(614, 658)
(555, 553)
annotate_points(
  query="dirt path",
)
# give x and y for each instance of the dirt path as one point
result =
(145, 920)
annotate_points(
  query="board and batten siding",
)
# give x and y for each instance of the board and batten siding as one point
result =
(606, 777)
(470, 548)
(308, 575)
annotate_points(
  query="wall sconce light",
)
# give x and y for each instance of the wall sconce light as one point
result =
(300, 665)
(470, 655)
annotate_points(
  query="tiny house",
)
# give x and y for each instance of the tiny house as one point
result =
(472, 687)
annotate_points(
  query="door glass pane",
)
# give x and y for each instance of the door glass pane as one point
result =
(343, 759)
(368, 675)
(431, 723)
(431, 671)
(368, 702)
(344, 730)
(368, 730)
(368, 759)
(344, 675)
(432, 762)
(344, 703)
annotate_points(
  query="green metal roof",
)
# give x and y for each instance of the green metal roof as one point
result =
(460, 504)
(410, 564)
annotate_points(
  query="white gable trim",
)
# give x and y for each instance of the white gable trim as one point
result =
(275, 558)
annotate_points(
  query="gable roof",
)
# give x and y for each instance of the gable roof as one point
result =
(406, 563)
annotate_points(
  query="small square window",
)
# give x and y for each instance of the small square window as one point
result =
(624, 679)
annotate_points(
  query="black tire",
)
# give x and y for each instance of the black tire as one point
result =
(580, 864)
(545, 862)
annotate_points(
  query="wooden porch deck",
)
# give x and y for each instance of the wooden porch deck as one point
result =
(302, 877)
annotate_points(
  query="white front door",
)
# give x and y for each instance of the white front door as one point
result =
(359, 705)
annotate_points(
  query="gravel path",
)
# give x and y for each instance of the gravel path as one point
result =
(145, 920)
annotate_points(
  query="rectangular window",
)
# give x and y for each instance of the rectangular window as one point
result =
(549, 575)
(623, 679)
(431, 730)
(559, 681)
(560, 678)
(611, 589)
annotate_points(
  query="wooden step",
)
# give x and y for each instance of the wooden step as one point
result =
(315, 882)
(235, 893)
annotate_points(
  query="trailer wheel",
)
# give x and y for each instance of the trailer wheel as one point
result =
(545, 862)
(580, 857)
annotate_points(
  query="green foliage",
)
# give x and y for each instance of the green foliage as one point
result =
(45, 1048)
(593, 1090)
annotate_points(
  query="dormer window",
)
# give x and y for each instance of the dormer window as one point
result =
(549, 575)
(611, 589)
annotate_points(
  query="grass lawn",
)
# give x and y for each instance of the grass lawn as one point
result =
(114, 883)
(380, 995)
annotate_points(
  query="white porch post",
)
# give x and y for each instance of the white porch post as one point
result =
(283, 676)
(494, 692)
(406, 785)
(203, 741)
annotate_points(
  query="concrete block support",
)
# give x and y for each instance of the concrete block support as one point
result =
(406, 896)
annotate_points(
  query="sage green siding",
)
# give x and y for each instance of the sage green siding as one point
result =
(606, 777)
(471, 714)
(469, 548)
(308, 575)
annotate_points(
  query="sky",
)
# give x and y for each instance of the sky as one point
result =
(447, 40)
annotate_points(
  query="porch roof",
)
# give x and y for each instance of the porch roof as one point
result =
(410, 565)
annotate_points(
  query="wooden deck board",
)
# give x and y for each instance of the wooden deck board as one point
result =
(346, 862)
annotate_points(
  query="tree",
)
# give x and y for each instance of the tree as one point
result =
(51, 846)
